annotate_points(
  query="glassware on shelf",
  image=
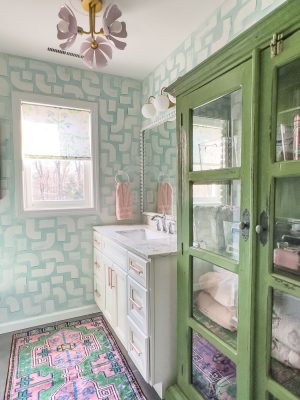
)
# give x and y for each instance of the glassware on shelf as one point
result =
(286, 253)
(288, 113)
(217, 128)
(213, 374)
(216, 216)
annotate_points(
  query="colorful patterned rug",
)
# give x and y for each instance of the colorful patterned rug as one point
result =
(78, 360)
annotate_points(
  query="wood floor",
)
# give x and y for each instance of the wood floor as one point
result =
(5, 343)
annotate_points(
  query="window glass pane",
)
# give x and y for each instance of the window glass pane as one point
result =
(286, 255)
(55, 131)
(216, 216)
(215, 300)
(57, 180)
(288, 112)
(285, 362)
(213, 374)
(217, 130)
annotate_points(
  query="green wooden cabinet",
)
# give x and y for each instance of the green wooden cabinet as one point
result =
(238, 125)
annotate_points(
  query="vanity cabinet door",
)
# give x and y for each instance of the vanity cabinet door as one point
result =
(121, 300)
(278, 226)
(110, 293)
(99, 279)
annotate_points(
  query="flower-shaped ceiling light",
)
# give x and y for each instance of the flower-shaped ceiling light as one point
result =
(97, 48)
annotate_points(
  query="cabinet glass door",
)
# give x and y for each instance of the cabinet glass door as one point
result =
(216, 265)
(278, 294)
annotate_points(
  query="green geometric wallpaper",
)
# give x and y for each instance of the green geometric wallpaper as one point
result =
(227, 22)
(46, 263)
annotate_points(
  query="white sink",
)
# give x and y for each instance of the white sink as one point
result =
(142, 234)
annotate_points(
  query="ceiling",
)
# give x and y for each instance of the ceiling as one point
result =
(155, 29)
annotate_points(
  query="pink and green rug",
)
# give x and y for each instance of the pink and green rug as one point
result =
(78, 360)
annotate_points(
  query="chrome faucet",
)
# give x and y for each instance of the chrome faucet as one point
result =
(163, 220)
(172, 226)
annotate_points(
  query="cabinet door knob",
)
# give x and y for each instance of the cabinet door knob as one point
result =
(262, 228)
(258, 229)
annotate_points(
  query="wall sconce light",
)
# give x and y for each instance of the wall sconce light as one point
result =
(148, 109)
(158, 104)
(161, 102)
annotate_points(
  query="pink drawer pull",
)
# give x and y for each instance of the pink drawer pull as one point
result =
(97, 242)
(135, 269)
(136, 305)
(135, 349)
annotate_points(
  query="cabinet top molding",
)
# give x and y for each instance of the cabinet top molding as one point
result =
(284, 19)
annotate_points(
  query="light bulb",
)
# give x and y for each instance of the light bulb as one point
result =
(161, 102)
(63, 26)
(172, 98)
(116, 27)
(148, 110)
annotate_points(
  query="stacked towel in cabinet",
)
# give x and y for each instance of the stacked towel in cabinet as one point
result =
(217, 298)
(286, 338)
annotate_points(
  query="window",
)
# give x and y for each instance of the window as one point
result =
(57, 154)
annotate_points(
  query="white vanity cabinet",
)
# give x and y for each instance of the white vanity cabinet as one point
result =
(140, 286)
(110, 283)
(99, 279)
(121, 305)
(152, 298)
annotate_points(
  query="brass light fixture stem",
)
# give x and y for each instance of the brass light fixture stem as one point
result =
(92, 20)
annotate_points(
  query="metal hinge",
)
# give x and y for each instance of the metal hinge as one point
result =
(181, 119)
(276, 45)
(181, 248)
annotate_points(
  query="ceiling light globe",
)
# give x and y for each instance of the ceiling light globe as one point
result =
(63, 26)
(161, 102)
(172, 98)
(148, 110)
(116, 27)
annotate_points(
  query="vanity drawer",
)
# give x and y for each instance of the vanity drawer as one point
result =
(98, 241)
(138, 349)
(138, 269)
(138, 304)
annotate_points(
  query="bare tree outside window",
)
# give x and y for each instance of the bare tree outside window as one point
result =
(56, 150)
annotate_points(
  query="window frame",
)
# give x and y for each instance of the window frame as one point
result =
(21, 191)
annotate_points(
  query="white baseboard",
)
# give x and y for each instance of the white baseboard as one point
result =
(48, 318)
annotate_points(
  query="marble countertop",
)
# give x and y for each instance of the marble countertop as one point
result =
(164, 244)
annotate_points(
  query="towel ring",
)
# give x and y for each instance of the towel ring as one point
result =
(162, 175)
(120, 172)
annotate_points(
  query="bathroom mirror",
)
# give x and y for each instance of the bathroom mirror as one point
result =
(159, 168)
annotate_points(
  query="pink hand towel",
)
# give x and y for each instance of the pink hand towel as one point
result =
(216, 312)
(123, 201)
(164, 198)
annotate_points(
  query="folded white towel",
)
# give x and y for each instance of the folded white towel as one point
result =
(284, 354)
(286, 329)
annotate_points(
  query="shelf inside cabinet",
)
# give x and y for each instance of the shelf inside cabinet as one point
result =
(226, 335)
